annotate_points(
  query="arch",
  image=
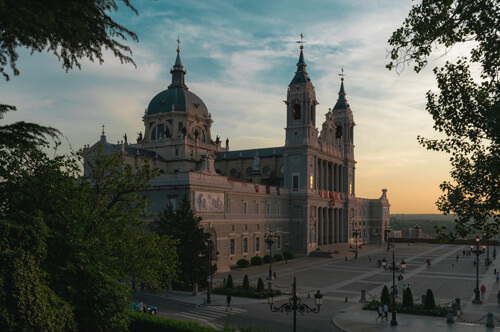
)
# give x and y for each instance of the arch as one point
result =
(296, 111)
(180, 125)
(161, 129)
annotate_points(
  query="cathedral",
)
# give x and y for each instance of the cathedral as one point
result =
(303, 193)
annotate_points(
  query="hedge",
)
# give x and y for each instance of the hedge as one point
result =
(278, 257)
(140, 322)
(416, 309)
(288, 255)
(239, 291)
(257, 260)
(267, 258)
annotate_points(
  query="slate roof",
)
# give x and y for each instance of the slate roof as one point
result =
(265, 152)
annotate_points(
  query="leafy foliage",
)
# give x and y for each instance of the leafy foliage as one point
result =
(230, 281)
(260, 285)
(278, 257)
(193, 249)
(256, 261)
(467, 109)
(246, 283)
(243, 263)
(140, 322)
(429, 303)
(415, 309)
(268, 258)
(76, 240)
(252, 292)
(288, 255)
(408, 298)
(384, 297)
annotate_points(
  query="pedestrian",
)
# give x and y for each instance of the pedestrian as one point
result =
(483, 290)
(228, 302)
(396, 290)
(141, 306)
(452, 264)
(498, 297)
(475, 261)
(386, 312)
(369, 258)
(497, 276)
(275, 275)
(403, 288)
(463, 252)
(457, 257)
(380, 314)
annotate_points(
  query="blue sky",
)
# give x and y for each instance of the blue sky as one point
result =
(240, 57)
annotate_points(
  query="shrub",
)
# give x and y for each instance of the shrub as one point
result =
(246, 283)
(415, 309)
(260, 285)
(429, 303)
(230, 282)
(384, 298)
(239, 291)
(143, 322)
(267, 258)
(242, 263)
(278, 257)
(257, 260)
(407, 298)
(288, 255)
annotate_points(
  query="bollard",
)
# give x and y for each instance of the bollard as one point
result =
(346, 299)
(454, 308)
(449, 318)
(495, 271)
(195, 289)
(308, 296)
(489, 320)
(423, 299)
(363, 296)
(459, 305)
(346, 258)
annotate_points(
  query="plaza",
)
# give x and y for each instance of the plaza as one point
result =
(341, 281)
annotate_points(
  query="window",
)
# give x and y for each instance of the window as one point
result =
(249, 171)
(232, 228)
(256, 208)
(266, 170)
(246, 227)
(268, 208)
(231, 207)
(233, 172)
(311, 182)
(278, 211)
(296, 112)
(295, 182)
(244, 207)
(257, 244)
(278, 242)
(231, 246)
(258, 227)
(245, 245)
(173, 201)
(177, 152)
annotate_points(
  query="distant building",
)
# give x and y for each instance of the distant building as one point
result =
(304, 192)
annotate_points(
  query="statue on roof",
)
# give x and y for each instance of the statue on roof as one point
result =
(125, 138)
(139, 137)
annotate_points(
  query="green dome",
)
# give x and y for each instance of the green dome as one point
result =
(181, 99)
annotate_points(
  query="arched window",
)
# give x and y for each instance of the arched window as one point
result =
(313, 114)
(180, 125)
(296, 112)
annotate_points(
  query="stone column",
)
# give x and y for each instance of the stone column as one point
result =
(318, 180)
(332, 226)
(325, 224)
(320, 227)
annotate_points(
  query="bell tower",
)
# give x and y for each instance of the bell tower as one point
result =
(301, 108)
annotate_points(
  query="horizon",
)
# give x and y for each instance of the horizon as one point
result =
(240, 58)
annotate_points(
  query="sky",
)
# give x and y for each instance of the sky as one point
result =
(240, 56)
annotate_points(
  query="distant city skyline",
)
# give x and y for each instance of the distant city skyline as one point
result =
(240, 58)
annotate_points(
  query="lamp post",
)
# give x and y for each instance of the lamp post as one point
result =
(486, 236)
(270, 238)
(478, 251)
(295, 304)
(417, 227)
(387, 231)
(356, 233)
(394, 322)
(286, 244)
(210, 279)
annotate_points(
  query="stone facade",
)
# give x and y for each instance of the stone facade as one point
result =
(304, 191)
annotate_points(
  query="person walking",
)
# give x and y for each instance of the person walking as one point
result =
(228, 302)
(497, 276)
(380, 314)
(498, 297)
(369, 258)
(457, 257)
(386, 312)
(452, 264)
(483, 291)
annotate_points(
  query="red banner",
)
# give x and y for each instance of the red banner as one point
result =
(256, 188)
(268, 190)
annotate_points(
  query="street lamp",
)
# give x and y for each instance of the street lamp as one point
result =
(286, 244)
(403, 265)
(417, 227)
(295, 304)
(478, 251)
(210, 279)
(394, 322)
(487, 236)
(269, 239)
(356, 233)
(387, 231)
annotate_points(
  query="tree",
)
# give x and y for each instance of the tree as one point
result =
(73, 238)
(385, 298)
(246, 282)
(192, 249)
(467, 108)
(230, 281)
(260, 285)
(407, 298)
(429, 303)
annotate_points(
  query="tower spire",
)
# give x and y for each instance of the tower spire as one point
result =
(301, 73)
(342, 101)
(178, 71)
